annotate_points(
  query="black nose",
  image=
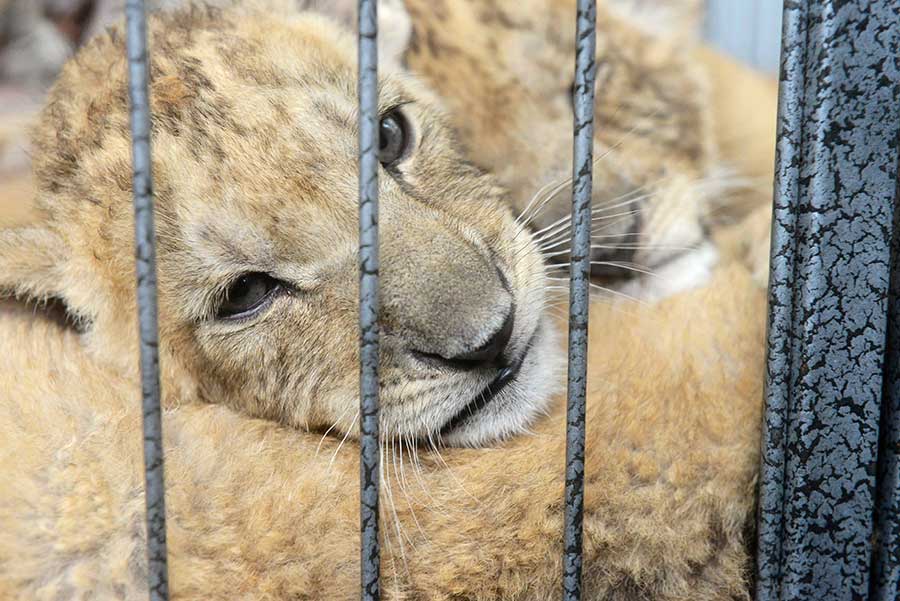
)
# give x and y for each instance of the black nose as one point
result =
(491, 351)
(489, 354)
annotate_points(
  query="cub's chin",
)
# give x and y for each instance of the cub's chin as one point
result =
(509, 402)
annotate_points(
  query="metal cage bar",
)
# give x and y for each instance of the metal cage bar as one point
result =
(579, 295)
(369, 469)
(836, 181)
(145, 252)
(886, 568)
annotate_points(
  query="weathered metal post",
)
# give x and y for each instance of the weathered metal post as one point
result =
(831, 415)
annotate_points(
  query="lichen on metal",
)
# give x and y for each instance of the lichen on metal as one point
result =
(836, 181)
(145, 252)
(579, 295)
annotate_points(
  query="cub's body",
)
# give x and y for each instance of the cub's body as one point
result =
(261, 511)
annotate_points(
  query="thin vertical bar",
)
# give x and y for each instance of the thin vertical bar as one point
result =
(145, 252)
(836, 179)
(370, 559)
(579, 295)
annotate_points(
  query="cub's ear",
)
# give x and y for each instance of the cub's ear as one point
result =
(394, 24)
(31, 260)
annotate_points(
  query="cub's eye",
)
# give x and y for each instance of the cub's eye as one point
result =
(393, 138)
(247, 295)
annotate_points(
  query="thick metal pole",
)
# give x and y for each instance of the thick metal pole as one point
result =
(836, 180)
(368, 299)
(145, 250)
(885, 585)
(579, 295)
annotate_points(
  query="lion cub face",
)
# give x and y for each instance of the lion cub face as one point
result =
(255, 146)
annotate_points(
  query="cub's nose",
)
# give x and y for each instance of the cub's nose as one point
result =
(489, 354)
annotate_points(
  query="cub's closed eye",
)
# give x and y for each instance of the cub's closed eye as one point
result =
(248, 295)
(394, 138)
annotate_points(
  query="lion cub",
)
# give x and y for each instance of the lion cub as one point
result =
(255, 170)
(256, 185)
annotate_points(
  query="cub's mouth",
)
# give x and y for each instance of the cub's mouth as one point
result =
(506, 376)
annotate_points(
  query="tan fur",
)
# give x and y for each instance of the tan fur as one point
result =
(16, 194)
(744, 104)
(262, 511)
(270, 513)
(18, 111)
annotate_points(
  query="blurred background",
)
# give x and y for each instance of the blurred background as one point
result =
(748, 30)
